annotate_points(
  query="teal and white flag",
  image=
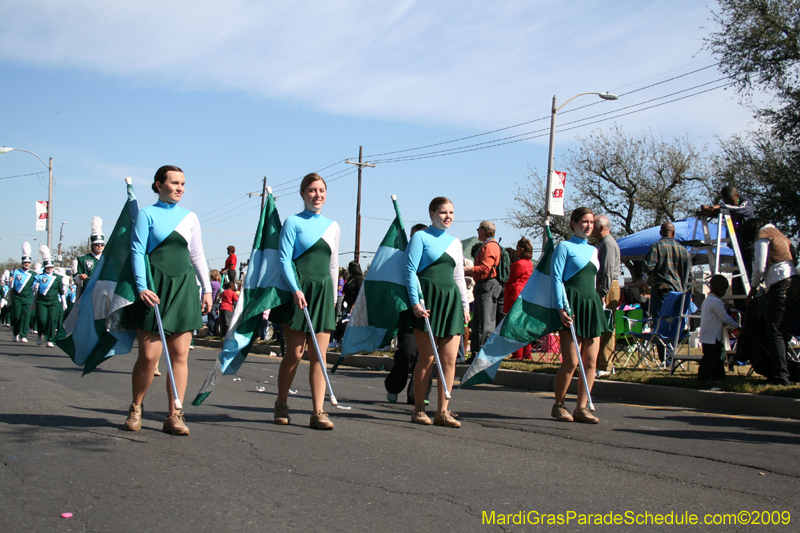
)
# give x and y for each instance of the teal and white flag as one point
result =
(263, 288)
(383, 295)
(532, 316)
(94, 329)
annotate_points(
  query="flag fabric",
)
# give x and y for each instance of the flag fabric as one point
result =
(383, 296)
(532, 316)
(41, 216)
(263, 288)
(94, 330)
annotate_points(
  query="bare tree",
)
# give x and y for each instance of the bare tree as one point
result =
(530, 215)
(73, 252)
(638, 181)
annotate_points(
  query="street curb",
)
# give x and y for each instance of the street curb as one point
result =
(658, 395)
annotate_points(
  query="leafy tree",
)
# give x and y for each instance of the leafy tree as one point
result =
(762, 168)
(758, 47)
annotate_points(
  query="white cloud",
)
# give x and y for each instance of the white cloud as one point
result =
(454, 63)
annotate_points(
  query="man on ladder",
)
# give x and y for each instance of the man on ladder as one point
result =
(740, 208)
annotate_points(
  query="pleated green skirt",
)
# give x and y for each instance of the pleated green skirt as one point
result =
(175, 283)
(586, 305)
(442, 299)
(312, 269)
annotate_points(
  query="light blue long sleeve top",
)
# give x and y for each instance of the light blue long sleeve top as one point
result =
(424, 249)
(569, 258)
(299, 233)
(19, 278)
(155, 223)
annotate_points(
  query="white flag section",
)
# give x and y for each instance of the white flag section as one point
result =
(41, 216)
(557, 183)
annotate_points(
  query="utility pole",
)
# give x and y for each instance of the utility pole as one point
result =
(360, 165)
(263, 193)
(60, 240)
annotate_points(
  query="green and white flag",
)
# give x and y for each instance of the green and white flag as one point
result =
(383, 296)
(94, 329)
(533, 315)
(263, 288)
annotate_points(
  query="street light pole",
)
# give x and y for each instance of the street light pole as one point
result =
(6, 149)
(554, 110)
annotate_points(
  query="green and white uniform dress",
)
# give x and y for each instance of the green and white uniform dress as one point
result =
(169, 236)
(48, 288)
(575, 265)
(436, 258)
(309, 256)
(21, 300)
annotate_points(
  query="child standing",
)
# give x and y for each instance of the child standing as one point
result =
(226, 305)
(712, 319)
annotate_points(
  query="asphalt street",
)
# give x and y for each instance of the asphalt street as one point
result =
(63, 450)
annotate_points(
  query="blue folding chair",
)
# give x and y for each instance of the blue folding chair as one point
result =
(672, 331)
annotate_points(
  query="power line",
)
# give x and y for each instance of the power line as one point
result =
(537, 119)
(40, 174)
(540, 133)
(528, 122)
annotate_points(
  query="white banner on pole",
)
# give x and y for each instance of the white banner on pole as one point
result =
(41, 216)
(558, 181)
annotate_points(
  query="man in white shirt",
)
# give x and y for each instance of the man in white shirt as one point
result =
(775, 263)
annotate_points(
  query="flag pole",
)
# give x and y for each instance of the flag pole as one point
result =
(170, 373)
(323, 363)
(578, 351)
(442, 379)
(397, 212)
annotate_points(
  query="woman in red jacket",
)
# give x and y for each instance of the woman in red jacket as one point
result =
(521, 270)
(230, 264)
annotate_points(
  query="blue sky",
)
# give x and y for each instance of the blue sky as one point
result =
(235, 91)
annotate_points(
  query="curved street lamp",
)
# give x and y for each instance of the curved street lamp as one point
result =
(604, 96)
(6, 149)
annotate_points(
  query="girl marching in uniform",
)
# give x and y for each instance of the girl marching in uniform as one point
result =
(169, 236)
(5, 307)
(575, 266)
(88, 262)
(434, 261)
(49, 288)
(309, 256)
(22, 296)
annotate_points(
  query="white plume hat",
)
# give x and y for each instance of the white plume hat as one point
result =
(97, 231)
(46, 256)
(26, 252)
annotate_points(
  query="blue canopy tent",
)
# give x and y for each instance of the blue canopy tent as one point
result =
(688, 231)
